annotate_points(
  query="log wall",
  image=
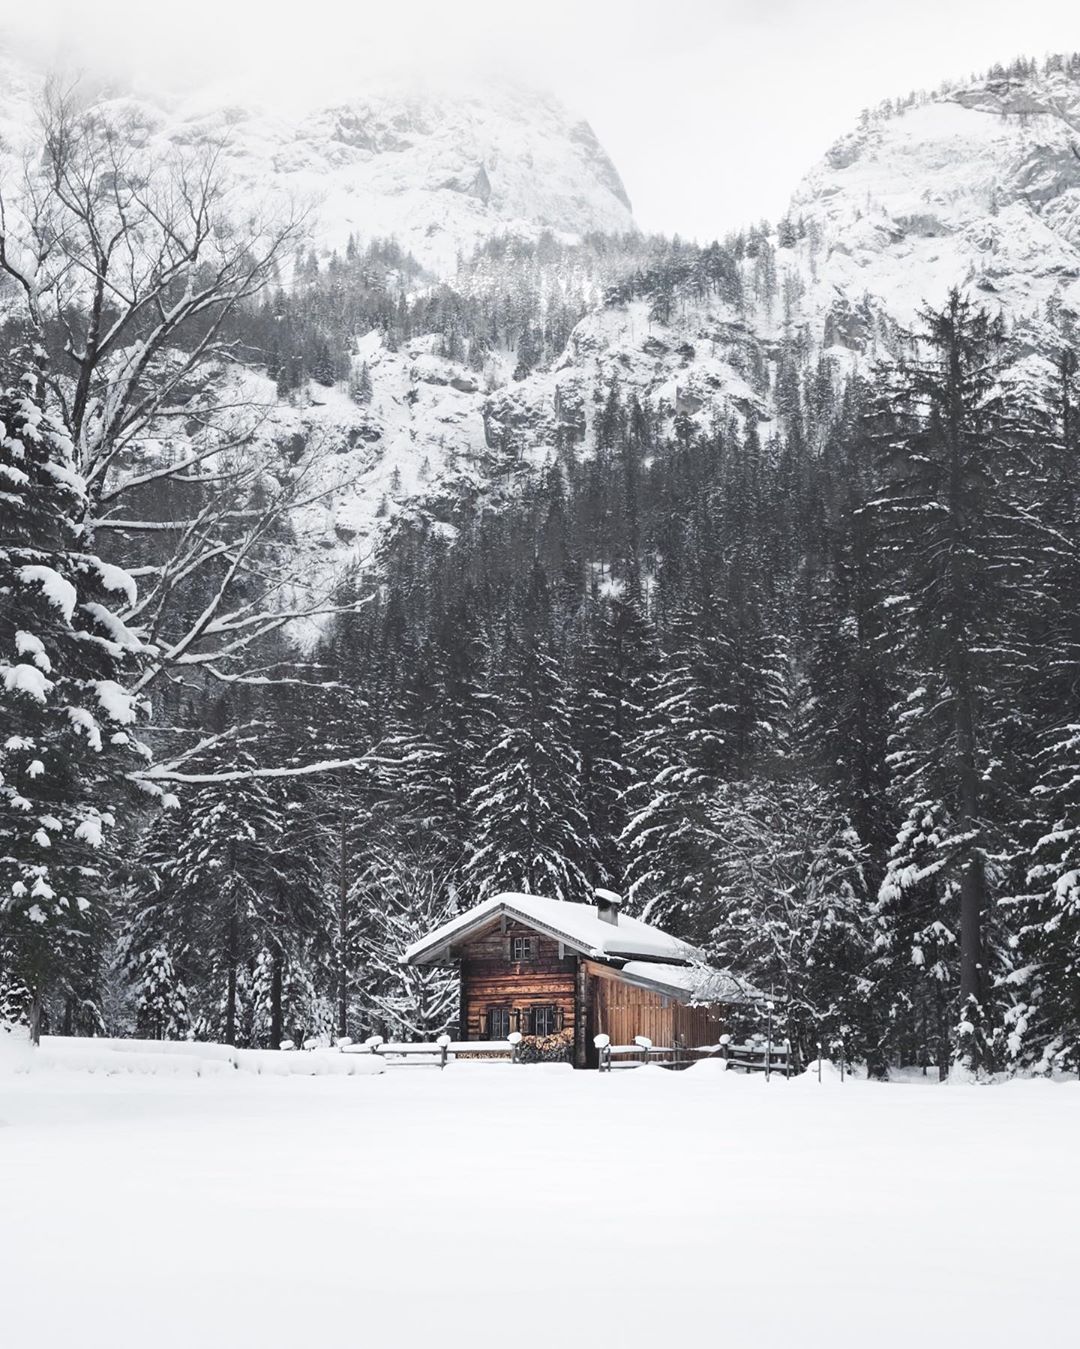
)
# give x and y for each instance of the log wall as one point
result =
(589, 997)
(490, 978)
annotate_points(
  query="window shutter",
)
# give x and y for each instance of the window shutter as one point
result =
(558, 1018)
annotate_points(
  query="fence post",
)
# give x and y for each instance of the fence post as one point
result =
(515, 1040)
(444, 1044)
(768, 1042)
(644, 1044)
(725, 1046)
(603, 1047)
(819, 1060)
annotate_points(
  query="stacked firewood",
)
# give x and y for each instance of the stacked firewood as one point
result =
(557, 1048)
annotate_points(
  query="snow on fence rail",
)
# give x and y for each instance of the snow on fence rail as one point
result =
(753, 1057)
(437, 1052)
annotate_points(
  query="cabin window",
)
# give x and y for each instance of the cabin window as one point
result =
(544, 1020)
(498, 1023)
(522, 948)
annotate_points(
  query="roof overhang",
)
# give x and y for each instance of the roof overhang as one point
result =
(440, 950)
(709, 988)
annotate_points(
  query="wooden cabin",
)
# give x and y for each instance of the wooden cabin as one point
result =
(562, 973)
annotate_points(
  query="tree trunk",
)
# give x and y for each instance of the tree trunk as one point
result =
(276, 1020)
(973, 878)
(942, 1039)
(35, 1018)
(232, 941)
(971, 909)
(343, 927)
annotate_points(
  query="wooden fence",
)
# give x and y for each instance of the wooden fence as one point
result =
(436, 1053)
(766, 1057)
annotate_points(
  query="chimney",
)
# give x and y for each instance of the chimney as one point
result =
(607, 905)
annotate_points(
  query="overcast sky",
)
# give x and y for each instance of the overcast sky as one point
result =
(711, 109)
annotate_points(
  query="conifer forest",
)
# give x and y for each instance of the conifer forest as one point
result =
(780, 643)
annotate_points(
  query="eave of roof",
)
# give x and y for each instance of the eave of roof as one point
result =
(575, 925)
(417, 955)
(689, 983)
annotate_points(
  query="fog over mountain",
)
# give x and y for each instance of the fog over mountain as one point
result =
(711, 114)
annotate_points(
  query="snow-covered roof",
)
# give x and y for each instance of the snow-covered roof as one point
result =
(643, 955)
(690, 983)
(576, 925)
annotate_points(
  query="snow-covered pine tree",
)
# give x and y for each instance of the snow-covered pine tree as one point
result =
(1044, 1024)
(360, 386)
(68, 741)
(848, 715)
(238, 872)
(530, 834)
(791, 910)
(674, 762)
(161, 1005)
(712, 705)
(434, 740)
(404, 893)
(612, 649)
(954, 565)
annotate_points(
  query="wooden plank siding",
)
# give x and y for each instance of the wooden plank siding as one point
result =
(622, 1010)
(490, 978)
(589, 996)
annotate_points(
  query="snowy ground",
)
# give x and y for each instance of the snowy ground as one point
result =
(520, 1206)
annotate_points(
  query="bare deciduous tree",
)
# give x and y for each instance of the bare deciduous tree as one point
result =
(131, 253)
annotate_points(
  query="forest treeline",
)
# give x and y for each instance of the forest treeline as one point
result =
(805, 692)
(806, 703)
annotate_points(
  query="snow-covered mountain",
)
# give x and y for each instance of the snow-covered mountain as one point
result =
(439, 170)
(978, 186)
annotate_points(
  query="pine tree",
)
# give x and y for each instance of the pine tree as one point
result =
(236, 873)
(947, 439)
(68, 744)
(401, 896)
(614, 651)
(1044, 1025)
(791, 908)
(161, 1000)
(530, 834)
(360, 387)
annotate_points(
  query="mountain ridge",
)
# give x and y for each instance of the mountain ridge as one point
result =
(439, 170)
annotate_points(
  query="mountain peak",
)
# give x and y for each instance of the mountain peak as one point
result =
(440, 168)
(977, 185)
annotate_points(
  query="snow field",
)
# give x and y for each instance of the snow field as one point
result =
(177, 1058)
(500, 1205)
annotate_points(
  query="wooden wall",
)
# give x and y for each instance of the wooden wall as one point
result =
(622, 1011)
(489, 978)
